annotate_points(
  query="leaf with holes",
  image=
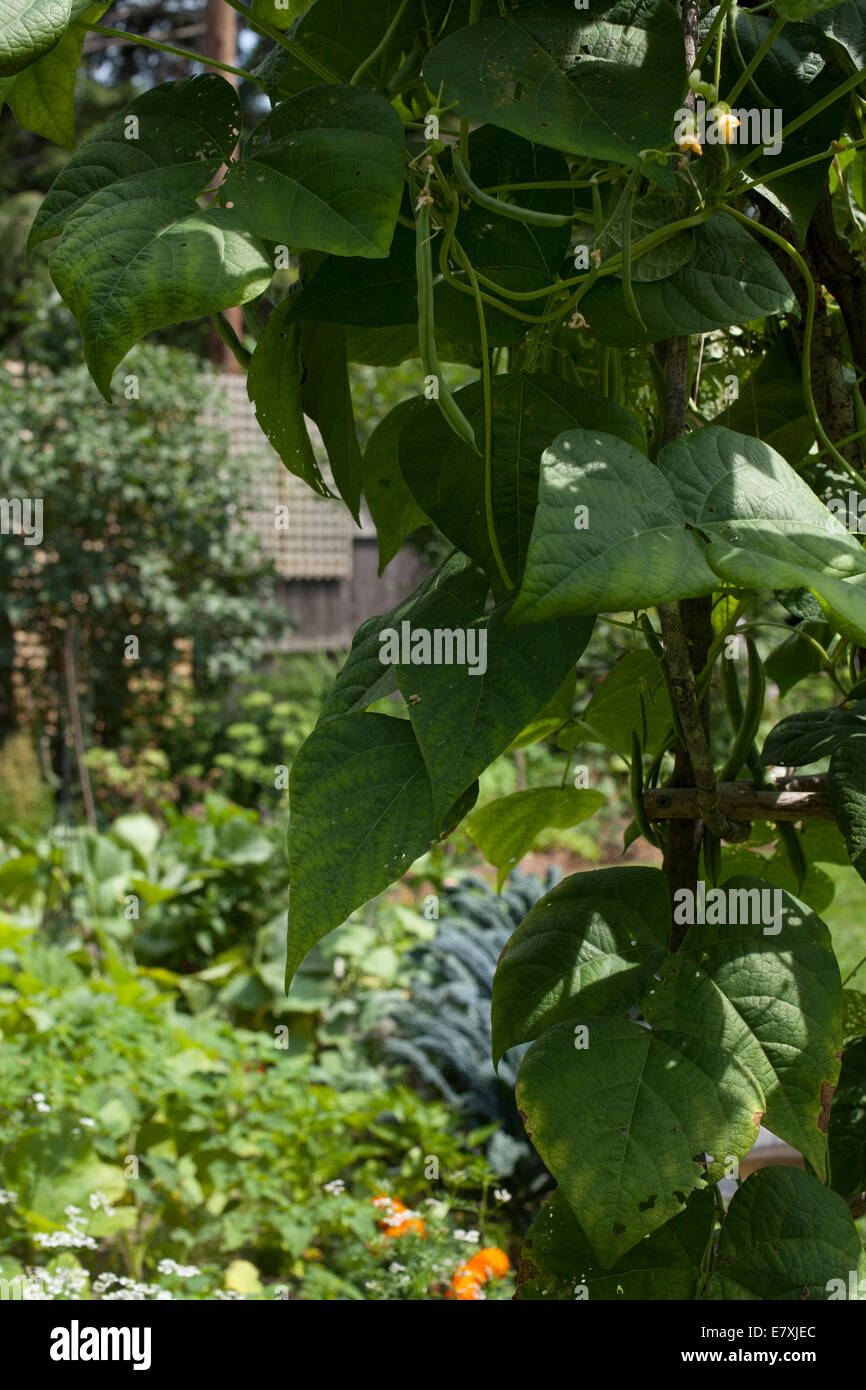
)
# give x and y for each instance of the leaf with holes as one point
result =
(181, 134)
(764, 985)
(602, 83)
(586, 947)
(633, 1121)
(324, 172)
(557, 1261)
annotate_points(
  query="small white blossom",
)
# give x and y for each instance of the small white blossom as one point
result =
(182, 1271)
(470, 1237)
(335, 1187)
(502, 1194)
(6, 1197)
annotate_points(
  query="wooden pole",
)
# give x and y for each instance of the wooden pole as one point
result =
(221, 43)
(804, 799)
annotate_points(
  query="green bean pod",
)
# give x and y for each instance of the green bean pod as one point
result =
(427, 329)
(641, 819)
(503, 209)
(712, 857)
(746, 729)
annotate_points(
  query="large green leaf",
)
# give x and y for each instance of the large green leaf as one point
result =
(800, 739)
(446, 476)
(602, 82)
(465, 715)
(364, 678)
(185, 131)
(324, 171)
(511, 253)
(29, 29)
(274, 387)
(846, 789)
(775, 1000)
(766, 526)
(596, 935)
(848, 1125)
(632, 1122)
(133, 260)
(557, 1262)
(41, 97)
(631, 549)
(361, 811)
(730, 279)
(506, 829)
(784, 1238)
(326, 397)
(394, 510)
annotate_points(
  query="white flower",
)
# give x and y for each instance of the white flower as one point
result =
(6, 1197)
(182, 1271)
(335, 1187)
(43, 1109)
(502, 1194)
(395, 1268)
(37, 1096)
(88, 1124)
(470, 1237)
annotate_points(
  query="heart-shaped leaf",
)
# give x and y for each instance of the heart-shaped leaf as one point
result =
(490, 679)
(632, 1121)
(171, 140)
(800, 739)
(609, 534)
(785, 1237)
(134, 260)
(446, 476)
(364, 677)
(603, 83)
(767, 989)
(730, 279)
(324, 172)
(584, 948)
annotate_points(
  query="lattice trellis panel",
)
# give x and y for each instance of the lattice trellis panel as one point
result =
(318, 541)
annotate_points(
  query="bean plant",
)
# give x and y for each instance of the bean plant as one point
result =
(640, 225)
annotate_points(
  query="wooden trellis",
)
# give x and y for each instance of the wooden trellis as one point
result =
(318, 541)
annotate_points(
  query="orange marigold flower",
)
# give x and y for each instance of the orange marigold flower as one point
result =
(465, 1285)
(489, 1263)
(399, 1228)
